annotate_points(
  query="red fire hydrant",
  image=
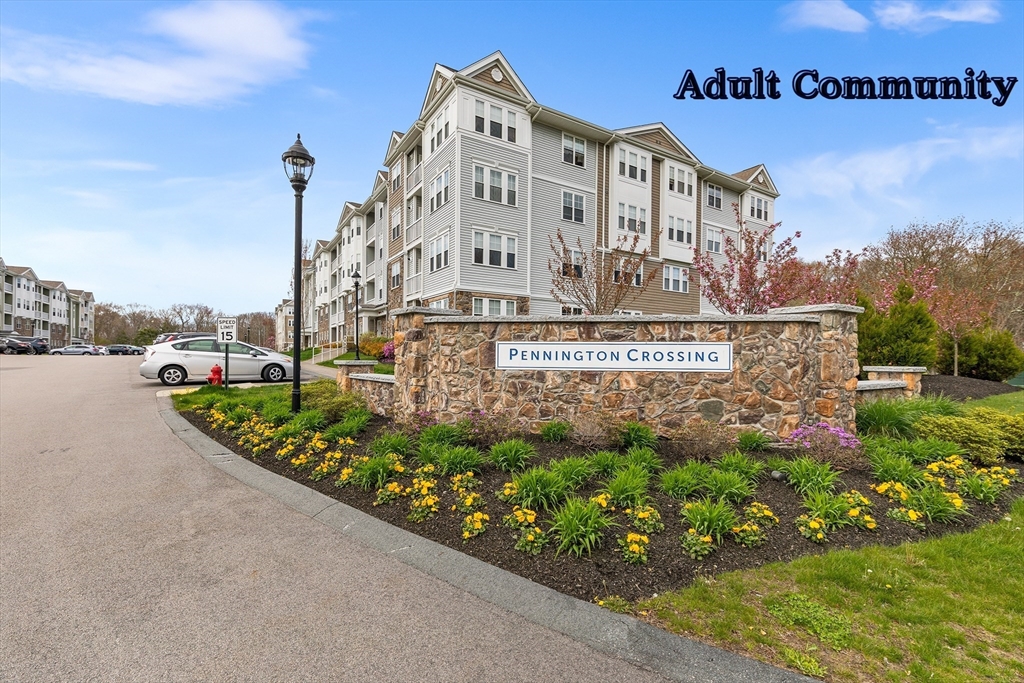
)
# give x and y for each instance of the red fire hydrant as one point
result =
(216, 376)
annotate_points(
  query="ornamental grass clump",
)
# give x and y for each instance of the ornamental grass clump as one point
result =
(886, 417)
(323, 395)
(353, 424)
(709, 521)
(747, 467)
(574, 471)
(683, 481)
(643, 456)
(918, 451)
(511, 455)
(628, 487)
(579, 525)
(633, 433)
(441, 434)
(429, 453)
(887, 466)
(806, 475)
(538, 487)
(309, 420)
(752, 441)
(591, 430)
(825, 443)
(829, 508)
(937, 504)
(555, 431)
(728, 486)
(454, 460)
(377, 471)
(391, 442)
(276, 413)
(605, 463)
(986, 484)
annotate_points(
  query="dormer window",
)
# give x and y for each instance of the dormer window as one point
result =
(759, 208)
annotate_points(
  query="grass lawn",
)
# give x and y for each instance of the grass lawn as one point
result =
(379, 368)
(946, 609)
(1008, 403)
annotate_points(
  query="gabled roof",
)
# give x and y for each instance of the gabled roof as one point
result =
(346, 213)
(659, 135)
(495, 71)
(23, 270)
(441, 76)
(758, 176)
(396, 139)
(54, 284)
(381, 179)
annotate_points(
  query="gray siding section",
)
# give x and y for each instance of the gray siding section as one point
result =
(441, 219)
(725, 216)
(547, 158)
(488, 215)
(547, 221)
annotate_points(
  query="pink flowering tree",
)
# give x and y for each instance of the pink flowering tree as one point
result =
(921, 280)
(956, 315)
(832, 280)
(756, 276)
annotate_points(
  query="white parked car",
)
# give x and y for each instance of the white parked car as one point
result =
(191, 360)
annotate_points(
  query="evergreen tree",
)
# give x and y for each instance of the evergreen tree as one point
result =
(904, 335)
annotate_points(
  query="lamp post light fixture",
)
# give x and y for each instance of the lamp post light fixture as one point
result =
(355, 279)
(298, 166)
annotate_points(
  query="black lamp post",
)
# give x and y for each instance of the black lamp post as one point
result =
(355, 279)
(298, 166)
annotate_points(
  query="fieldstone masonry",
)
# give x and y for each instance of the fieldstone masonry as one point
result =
(791, 366)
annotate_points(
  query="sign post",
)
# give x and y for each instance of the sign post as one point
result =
(227, 333)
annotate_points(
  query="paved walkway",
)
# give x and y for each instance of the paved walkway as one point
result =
(125, 556)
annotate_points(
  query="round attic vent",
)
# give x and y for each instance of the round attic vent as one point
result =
(497, 75)
(437, 86)
(760, 178)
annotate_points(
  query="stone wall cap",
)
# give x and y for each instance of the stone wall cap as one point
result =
(356, 363)
(876, 384)
(624, 319)
(817, 308)
(894, 368)
(369, 377)
(426, 310)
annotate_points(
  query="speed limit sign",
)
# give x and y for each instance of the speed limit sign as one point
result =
(227, 330)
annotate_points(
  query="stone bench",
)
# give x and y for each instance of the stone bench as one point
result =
(909, 375)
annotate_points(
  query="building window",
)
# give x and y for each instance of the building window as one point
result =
(759, 208)
(623, 311)
(439, 191)
(479, 120)
(396, 224)
(501, 186)
(511, 130)
(438, 253)
(680, 231)
(574, 150)
(643, 169)
(486, 307)
(714, 240)
(622, 162)
(631, 171)
(572, 207)
(439, 303)
(495, 122)
(676, 279)
(500, 250)
(638, 277)
(396, 274)
(628, 219)
(572, 310)
(680, 180)
(396, 176)
(439, 130)
(714, 196)
(576, 267)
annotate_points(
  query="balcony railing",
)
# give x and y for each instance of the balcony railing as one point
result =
(412, 284)
(8, 308)
(371, 233)
(413, 232)
(415, 176)
(8, 287)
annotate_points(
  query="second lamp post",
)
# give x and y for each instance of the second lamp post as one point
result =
(298, 166)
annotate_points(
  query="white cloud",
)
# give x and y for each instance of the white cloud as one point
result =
(205, 53)
(905, 14)
(886, 173)
(830, 14)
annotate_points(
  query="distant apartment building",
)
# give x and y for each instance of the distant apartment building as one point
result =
(478, 185)
(283, 321)
(35, 307)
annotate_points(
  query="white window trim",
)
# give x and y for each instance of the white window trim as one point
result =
(485, 306)
(573, 140)
(707, 239)
(486, 249)
(710, 195)
(504, 177)
(583, 208)
(439, 247)
(684, 279)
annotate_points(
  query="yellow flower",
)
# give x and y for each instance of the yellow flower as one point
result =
(854, 512)
(820, 535)
(814, 525)
(706, 539)
(912, 515)
(634, 548)
(529, 537)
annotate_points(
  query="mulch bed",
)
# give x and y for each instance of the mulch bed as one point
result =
(605, 573)
(963, 388)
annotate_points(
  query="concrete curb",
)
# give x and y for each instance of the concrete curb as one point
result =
(676, 658)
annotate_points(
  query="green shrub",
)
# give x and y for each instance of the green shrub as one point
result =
(605, 463)
(905, 335)
(430, 453)
(1011, 427)
(936, 504)
(742, 464)
(708, 517)
(628, 486)
(391, 442)
(918, 451)
(323, 395)
(454, 460)
(239, 415)
(703, 440)
(889, 466)
(806, 475)
(511, 455)
(830, 508)
(752, 441)
(982, 443)
(728, 486)
(637, 434)
(776, 463)
(371, 346)
(309, 420)
(983, 354)
(375, 472)
(579, 525)
(555, 431)
(484, 429)
(442, 434)
(574, 471)
(885, 417)
(538, 488)
(934, 405)
(683, 481)
(642, 456)
(276, 412)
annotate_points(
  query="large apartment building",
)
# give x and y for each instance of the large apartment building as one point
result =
(479, 183)
(34, 307)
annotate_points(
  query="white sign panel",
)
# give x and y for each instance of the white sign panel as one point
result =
(227, 330)
(634, 356)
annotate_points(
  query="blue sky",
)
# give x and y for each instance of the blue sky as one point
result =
(140, 142)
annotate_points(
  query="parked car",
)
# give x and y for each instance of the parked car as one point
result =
(120, 350)
(137, 350)
(103, 350)
(178, 336)
(37, 344)
(12, 345)
(191, 359)
(76, 350)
